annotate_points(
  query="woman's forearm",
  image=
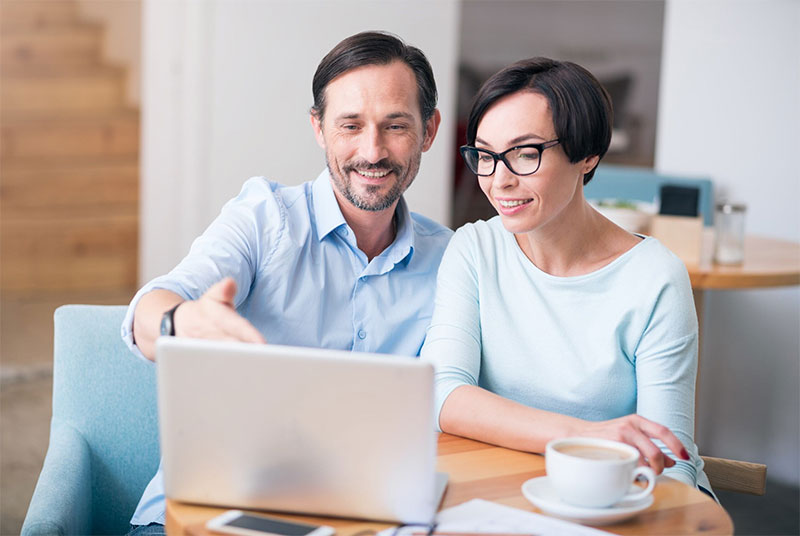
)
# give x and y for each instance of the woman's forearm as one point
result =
(473, 412)
(479, 414)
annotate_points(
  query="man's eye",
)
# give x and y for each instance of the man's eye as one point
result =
(397, 127)
(349, 127)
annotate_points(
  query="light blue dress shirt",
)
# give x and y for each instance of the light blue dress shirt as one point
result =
(301, 279)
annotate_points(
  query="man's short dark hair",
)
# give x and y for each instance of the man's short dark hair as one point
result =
(580, 106)
(374, 48)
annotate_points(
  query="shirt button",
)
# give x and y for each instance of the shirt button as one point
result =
(343, 231)
(362, 278)
(362, 334)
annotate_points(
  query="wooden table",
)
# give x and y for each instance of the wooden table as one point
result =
(478, 470)
(768, 262)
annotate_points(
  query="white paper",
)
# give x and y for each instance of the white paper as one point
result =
(479, 516)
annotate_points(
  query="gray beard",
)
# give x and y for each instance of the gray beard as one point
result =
(376, 205)
(373, 205)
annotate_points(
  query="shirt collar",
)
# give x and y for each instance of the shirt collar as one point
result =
(326, 209)
(329, 218)
(403, 247)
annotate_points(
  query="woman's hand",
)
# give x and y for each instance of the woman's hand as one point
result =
(637, 431)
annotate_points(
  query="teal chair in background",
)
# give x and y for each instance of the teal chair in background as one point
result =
(644, 184)
(104, 433)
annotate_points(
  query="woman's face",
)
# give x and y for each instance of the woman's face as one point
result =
(528, 203)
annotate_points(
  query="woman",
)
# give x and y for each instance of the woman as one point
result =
(551, 321)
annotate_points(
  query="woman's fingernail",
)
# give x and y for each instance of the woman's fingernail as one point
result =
(684, 454)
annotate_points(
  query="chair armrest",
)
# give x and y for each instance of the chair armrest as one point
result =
(62, 500)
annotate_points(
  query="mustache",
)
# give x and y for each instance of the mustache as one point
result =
(363, 165)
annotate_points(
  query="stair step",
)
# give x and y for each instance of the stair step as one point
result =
(69, 138)
(69, 253)
(90, 189)
(36, 14)
(100, 88)
(74, 44)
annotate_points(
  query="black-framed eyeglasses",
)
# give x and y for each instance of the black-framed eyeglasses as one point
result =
(520, 160)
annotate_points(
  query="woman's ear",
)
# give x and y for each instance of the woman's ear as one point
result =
(589, 163)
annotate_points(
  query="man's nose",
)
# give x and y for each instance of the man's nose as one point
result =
(373, 145)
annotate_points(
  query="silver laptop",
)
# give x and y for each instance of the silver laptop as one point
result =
(298, 430)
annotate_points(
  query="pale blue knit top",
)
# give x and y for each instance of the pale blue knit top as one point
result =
(619, 340)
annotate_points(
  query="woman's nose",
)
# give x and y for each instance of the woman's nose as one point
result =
(503, 177)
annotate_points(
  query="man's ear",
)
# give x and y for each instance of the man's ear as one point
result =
(431, 128)
(316, 124)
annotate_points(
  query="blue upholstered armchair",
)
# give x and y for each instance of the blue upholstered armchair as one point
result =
(104, 433)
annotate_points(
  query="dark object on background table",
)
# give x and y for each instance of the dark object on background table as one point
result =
(679, 200)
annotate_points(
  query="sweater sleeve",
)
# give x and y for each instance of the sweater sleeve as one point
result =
(666, 369)
(452, 343)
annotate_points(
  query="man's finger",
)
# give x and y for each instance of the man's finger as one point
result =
(223, 291)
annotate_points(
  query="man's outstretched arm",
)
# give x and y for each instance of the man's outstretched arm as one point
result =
(212, 316)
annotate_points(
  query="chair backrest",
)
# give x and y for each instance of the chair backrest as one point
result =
(108, 395)
(734, 475)
(644, 184)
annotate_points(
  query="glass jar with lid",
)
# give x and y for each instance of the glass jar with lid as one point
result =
(729, 233)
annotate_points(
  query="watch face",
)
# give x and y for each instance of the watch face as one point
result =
(166, 323)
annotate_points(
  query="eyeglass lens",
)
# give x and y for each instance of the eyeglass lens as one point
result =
(520, 160)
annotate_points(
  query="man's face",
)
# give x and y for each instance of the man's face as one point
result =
(373, 134)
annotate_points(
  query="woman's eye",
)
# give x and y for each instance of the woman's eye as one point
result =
(483, 157)
(528, 155)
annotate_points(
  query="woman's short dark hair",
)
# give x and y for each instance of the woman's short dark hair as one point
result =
(580, 106)
(374, 48)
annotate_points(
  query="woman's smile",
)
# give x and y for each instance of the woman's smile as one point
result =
(509, 206)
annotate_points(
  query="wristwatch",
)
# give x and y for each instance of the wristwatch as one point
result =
(168, 321)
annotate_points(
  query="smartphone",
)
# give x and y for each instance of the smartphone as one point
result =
(238, 522)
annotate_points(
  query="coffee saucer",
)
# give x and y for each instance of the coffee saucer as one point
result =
(539, 492)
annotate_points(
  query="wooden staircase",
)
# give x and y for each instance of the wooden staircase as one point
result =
(69, 151)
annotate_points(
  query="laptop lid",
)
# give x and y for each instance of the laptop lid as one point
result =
(295, 429)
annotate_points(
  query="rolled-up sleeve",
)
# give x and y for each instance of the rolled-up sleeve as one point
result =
(236, 244)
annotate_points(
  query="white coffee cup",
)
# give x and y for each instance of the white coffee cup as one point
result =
(595, 473)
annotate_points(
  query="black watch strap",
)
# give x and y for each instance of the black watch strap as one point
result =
(168, 321)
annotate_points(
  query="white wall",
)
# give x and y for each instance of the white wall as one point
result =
(730, 109)
(226, 94)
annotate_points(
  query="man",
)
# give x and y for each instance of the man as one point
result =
(338, 262)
